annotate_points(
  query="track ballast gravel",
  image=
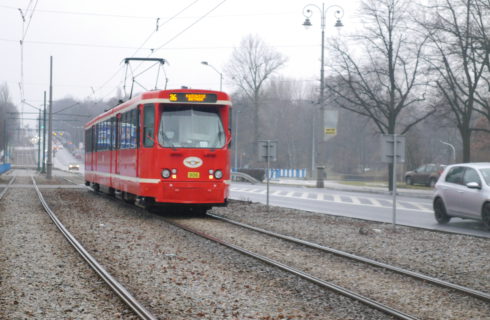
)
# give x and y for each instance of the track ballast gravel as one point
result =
(179, 276)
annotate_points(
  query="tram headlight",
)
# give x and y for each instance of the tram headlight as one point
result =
(166, 173)
(218, 174)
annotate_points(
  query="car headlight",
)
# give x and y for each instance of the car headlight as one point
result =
(166, 173)
(218, 174)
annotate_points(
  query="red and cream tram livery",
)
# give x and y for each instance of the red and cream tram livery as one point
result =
(163, 147)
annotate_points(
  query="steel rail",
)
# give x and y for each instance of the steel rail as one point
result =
(120, 290)
(4, 191)
(331, 286)
(475, 293)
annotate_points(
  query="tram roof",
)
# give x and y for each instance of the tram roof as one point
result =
(162, 96)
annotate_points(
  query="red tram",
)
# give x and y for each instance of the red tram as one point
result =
(168, 147)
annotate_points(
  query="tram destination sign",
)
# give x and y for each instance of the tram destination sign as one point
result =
(193, 97)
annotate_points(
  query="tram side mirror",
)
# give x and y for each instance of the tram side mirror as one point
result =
(228, 140)
(148, 134)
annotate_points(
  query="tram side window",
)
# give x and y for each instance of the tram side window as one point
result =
(148, 125)
(100, 130)
(127, 131)
(90, 136)
(91, 139)
(112, 128)
(94, 137)
(134, 128)
(105, 136)
(124, 133)
(86, 140)
(117, 132)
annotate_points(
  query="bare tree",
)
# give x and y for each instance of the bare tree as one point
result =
(385, 82)
(458, 33)
(251, 65)
(8, 117)
(481, 16)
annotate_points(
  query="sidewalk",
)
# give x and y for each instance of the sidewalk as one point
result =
(338, 185)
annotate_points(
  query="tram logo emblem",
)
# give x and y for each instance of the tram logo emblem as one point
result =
(192, 162)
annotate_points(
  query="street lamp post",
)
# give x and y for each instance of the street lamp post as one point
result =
(452, 149)
(40, 153)
(236, 138)
(220, 74)
(308, 13)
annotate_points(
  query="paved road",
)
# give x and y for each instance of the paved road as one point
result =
(411, 211)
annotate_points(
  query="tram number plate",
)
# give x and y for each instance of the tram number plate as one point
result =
(193, 175)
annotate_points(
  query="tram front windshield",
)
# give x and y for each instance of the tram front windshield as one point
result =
(190, 127)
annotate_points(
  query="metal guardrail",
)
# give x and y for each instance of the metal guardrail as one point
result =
(244, 176)
(5, 167)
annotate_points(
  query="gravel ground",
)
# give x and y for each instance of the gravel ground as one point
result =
(455, 258)
(41, 276)
(411, 296)
(180, 276)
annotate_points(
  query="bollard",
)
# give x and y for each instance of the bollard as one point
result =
(320, 176)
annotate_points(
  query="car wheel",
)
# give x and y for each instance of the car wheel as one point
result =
(440, 212)
(432, 182)
(485, 215)
(408, 180)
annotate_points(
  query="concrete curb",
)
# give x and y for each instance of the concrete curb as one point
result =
(333, 185)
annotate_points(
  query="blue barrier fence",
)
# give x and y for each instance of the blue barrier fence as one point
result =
(4, 167)
(287, 173)
(284, 173)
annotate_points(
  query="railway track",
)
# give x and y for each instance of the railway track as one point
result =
(475, 293)
(392, 308)
(119, 289)
(5, 189)
(318, 280)
(325, 284)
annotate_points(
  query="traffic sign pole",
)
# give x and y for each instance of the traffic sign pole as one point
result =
(394, 181)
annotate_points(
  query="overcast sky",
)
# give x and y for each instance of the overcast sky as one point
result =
(88, 39)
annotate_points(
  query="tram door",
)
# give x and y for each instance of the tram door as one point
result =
(117, 147)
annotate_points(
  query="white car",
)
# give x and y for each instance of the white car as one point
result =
(73, 166)
(463, 190)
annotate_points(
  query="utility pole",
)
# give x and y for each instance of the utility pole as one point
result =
(39, 142)
(5, 140)
(43, 170)
(49, 165)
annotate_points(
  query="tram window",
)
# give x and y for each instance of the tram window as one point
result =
(124, 136)
(87, 141)
(112, 125)
(105, 135)
(133, 128)
(98, 137)
(191, 127)
(136, 123)
(91, 139)
(148, 125)
(117, 129)
(94, 138)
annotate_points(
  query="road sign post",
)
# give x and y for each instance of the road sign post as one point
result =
(268, 152)
(393, 151)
